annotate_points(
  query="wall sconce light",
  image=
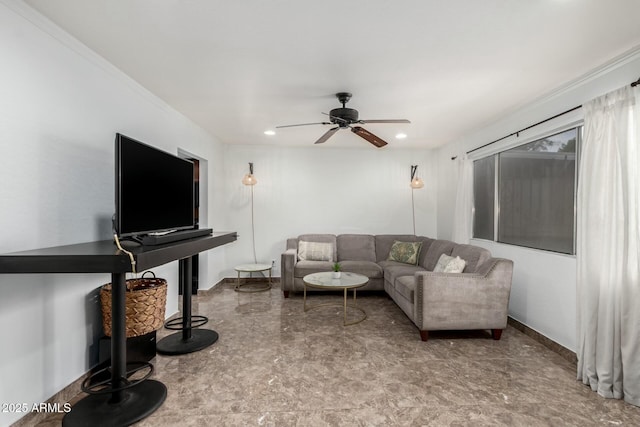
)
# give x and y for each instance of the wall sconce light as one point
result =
(249, 179)
(416, 183)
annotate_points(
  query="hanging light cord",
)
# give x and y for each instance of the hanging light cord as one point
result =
(413, 210)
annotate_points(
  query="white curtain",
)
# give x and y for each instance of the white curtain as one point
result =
(608, 238)
(463, 213)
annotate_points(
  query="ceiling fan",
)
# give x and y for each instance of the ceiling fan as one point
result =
(346, 118)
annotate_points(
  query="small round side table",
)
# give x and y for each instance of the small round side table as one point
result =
(252, 268)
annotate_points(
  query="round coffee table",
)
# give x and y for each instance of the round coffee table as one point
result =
(252, 268)
(325, 280)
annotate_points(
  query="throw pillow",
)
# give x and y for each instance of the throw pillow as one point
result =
(405, 252)
(315, 251)
(456, 265)
(442, 263)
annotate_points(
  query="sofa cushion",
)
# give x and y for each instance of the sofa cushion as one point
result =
(303, 268)
(406, 286)
(473, 255)
(315, 251)
(405, 252)
(356, 247)
(393, 270)
(367, 268)
(426, 243)
(437, 248)
(323, 238)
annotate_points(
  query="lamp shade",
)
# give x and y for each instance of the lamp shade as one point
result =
(417, 182)
(249, 179)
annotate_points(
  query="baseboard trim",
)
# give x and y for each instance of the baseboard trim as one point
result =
(564, 352)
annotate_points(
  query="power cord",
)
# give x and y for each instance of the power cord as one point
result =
(253, 230)
(117, 241)
(131, 257)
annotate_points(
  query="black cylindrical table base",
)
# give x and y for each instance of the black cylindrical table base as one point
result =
(136, 404)
(175, 344)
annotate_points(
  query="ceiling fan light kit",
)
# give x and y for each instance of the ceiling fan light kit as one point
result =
(345, 118)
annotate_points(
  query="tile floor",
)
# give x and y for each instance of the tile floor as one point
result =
(275, 365)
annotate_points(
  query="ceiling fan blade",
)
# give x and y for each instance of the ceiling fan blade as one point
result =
(384, 121)
(327, 135)
(363, 133)
(303, 124)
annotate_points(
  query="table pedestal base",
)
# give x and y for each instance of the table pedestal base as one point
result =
(252, 287)
(136, 404)
(175, 344)
(344, 305)
(190, 339)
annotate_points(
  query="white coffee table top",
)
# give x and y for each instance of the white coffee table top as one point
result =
(252, 268)
(325, 280)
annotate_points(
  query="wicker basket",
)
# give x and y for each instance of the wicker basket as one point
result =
(145, 300)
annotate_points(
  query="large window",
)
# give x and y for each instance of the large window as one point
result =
(526, 195)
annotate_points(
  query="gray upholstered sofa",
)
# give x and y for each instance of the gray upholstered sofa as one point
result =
(477, 298)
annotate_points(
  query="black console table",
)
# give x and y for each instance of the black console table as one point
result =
(123, 404)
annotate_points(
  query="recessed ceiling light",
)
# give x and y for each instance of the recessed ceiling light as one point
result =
(270, 132)
(401, 136)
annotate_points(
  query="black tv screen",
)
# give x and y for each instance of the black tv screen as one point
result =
(154, 189)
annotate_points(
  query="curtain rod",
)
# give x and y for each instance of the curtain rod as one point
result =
(517, 133)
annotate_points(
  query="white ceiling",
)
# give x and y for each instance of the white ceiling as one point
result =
(238, 68)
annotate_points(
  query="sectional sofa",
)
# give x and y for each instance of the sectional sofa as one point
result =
(476, 298)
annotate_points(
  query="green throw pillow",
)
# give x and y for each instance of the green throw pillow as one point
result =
(406, 252)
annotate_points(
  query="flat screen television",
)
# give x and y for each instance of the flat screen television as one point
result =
(154, 190)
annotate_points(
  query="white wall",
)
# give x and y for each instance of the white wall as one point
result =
(324, 189)
(543, 294)
(60, 107)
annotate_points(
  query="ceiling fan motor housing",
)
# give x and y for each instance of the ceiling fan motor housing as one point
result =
(343, 116)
